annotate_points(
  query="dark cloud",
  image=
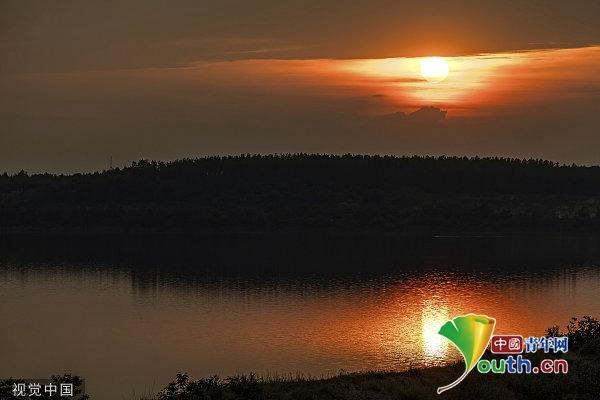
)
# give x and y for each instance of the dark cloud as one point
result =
(424, 115)
(402, 80)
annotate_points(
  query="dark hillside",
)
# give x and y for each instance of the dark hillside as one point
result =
(309, 192)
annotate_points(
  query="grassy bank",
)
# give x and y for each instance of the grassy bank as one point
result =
(582, 382)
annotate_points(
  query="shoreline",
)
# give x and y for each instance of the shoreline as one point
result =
(418, 383)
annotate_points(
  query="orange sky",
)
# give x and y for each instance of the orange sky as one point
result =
(84, 82)
(478, 84)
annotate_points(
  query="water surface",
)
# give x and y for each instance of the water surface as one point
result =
(129, 313)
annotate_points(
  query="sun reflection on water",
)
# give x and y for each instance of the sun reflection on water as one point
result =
(433, 315)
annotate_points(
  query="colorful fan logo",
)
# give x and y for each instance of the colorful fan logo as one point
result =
(471, 335)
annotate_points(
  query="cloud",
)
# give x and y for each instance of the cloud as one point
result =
(427, 114)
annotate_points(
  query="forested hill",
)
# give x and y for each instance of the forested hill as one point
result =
(309, 192)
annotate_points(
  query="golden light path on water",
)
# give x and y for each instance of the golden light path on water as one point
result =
(433, 315)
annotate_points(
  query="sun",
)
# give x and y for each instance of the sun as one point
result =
(434, 69)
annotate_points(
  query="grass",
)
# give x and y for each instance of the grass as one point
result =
(582, 382)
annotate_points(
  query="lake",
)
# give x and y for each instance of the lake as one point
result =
(128, 313)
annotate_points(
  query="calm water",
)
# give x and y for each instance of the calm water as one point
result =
(127, 314)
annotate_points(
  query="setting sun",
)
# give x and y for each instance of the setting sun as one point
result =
(434, 69)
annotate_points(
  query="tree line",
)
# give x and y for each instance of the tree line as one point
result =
(308, 191)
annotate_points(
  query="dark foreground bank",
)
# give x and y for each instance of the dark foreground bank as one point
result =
(581, 382)
(306, 193)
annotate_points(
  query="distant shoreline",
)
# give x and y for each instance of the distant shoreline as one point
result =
(309, 193)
